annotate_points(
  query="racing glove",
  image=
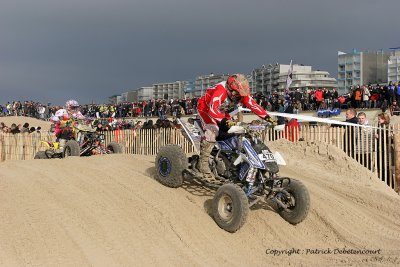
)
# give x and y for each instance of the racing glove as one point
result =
(230, 123)
(270, 120)
(226, 125)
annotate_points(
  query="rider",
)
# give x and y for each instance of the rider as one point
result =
(72, 107)
(64, 120)
(237, 90)
(61, 128)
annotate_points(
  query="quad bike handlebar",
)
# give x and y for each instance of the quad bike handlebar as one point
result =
(243, 128)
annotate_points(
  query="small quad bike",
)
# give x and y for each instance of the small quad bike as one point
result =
(88, 142)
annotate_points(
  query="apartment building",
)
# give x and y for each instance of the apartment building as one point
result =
(140, 94)
(272, 78)
(264, 79)
(394, 66)
(358, 68)
(203, 82)
(190, 89)
(170, 90)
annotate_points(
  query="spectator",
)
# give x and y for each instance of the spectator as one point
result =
(394, 109)
(341, 100)
(2, 125)
(14, 129)
(384, 105)
(358, 96)
(5, 129)
(319, 97)
(366, 96)
(148, 124)
(382, 136)
(390, 93)
(25, 128)
(349, 135)
(398, 92)
(99, 127)
(138, 125)
(348, 143)
(364, 141)
(292, 130)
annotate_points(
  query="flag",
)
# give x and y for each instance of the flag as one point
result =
(289, 78)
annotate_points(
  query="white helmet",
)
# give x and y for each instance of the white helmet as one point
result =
(60, 113)
(70, 104)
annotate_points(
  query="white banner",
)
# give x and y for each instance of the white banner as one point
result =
(316, 119)
(289, 78)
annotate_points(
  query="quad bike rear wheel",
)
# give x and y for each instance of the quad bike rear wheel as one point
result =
(71, 149)
(298, 202)
(170, 164)
(230, 207)
(114, 147)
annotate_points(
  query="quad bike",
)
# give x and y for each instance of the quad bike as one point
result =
(247, 172)
(93, 143)
(88, 142)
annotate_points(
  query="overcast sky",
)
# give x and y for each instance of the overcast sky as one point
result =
(55, 50)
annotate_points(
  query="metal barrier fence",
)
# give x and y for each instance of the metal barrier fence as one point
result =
(373, 148)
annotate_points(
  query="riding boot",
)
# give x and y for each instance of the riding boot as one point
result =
(203, 164)
(61, 145)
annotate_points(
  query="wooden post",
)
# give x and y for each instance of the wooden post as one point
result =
(2, 148)
(397, 161)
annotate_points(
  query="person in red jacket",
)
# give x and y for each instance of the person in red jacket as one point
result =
(237, 90)
(292, 130)
(319, 97)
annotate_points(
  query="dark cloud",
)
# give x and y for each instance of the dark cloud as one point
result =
(91, 49)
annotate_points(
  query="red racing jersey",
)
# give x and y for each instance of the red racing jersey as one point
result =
(214, 97)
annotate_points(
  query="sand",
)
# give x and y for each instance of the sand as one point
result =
(21, 120)
(109, 211)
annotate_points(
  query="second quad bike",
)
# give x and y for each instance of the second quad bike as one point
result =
(88, 142)
(246, 172)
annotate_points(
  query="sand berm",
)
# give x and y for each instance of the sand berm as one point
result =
(109, 211)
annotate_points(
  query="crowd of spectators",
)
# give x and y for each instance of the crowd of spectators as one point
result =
(20, 128)
(124, 123)
(360, 97)
(26, 108)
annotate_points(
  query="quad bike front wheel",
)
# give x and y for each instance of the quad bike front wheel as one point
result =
(40, 155)
(230, 207)
(71, 149)
(298, 202)
(170, 164)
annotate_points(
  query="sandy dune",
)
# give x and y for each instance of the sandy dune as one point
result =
(45, 125)
(109, 211)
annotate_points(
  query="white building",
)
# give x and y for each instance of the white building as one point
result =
(140, 94)
(394, 66)
(203, 82)
(272, 78)
(171, 90)
(358, 68)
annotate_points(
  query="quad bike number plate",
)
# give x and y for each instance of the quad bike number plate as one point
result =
(268, 156)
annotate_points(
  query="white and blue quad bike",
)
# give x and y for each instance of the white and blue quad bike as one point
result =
(247, 172)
